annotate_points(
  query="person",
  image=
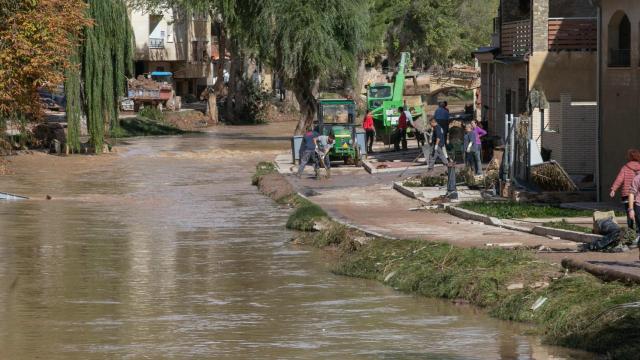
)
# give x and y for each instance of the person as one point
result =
(625, 178)
(325, 144)
(308, 151)
(469, 146)
(442, 117)
(438, 150)
(402, 130)
(477, 154)
(256, 78)
(370, 131)
(633, 207)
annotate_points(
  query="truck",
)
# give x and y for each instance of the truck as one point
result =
(338, 117)
(154, 89)
(384, 99)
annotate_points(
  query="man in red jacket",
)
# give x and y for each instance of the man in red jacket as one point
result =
(402, 131)
(370, 130)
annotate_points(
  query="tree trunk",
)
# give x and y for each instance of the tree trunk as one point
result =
(354, 89)
(305, 95)
(212, 105)
(222, 50)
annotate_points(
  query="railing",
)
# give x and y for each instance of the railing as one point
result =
(156, 43)
(619, 58)
(573, 34)
(515, 38)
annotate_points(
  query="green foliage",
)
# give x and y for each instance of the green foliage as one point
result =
(305, 216)
(73, 90)
(255, 110)
(152, 113)
(107, 60)
(263, 168)
(516, 210)
(564, 225)
(442, 31)
(140, 126)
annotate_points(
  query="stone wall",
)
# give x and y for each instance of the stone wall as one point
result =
(540, 22)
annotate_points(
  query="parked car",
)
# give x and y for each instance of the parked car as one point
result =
(49, 104)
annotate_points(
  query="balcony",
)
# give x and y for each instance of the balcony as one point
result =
(156, 43)
(515, 38)
(573, 34)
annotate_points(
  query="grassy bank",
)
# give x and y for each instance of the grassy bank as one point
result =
(142, 126)
(577, 310)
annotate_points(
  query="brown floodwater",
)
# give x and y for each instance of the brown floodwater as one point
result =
(164, 250)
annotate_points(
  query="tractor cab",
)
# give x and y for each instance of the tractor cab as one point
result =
(338, 117)
(377, 94)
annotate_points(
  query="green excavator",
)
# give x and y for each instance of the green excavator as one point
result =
(384, 99)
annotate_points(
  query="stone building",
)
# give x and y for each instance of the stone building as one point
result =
(176, 41)
(549, 46)
(619, 90)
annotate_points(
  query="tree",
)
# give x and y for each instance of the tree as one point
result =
(37, 37)
(314, 39)
(106, 59)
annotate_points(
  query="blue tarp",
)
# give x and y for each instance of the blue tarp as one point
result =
(161, 73)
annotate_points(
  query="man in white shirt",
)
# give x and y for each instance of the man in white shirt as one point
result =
(324, 145)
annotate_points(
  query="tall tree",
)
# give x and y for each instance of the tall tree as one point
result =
(106, 56)
(37, 37)
(314, 39)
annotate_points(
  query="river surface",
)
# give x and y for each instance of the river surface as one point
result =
(165, 251)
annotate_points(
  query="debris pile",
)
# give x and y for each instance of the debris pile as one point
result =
(550, 176)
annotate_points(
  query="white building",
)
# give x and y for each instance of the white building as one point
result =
(176, 41)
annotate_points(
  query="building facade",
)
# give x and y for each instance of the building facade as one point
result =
(619, 90)
(549, 46)
(176, 41)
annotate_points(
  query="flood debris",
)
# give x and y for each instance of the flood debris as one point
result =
(11, 197)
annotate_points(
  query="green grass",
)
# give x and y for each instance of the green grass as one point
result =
(564, 225)
(263, 168)
(141, 126)
(515, 210)
(305, 215)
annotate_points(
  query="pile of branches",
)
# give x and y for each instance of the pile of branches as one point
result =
(550, 176)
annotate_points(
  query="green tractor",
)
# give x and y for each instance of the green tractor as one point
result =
(384, 99)
(338, 117)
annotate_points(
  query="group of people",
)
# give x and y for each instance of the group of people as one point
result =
(315, 148)
(628, 183)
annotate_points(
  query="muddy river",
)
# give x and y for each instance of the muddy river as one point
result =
(165, 251)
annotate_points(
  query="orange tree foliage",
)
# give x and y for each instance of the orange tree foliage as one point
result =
(37, 37)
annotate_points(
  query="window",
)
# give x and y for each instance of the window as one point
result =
(194, 51)
(523, 93)
(619, 40)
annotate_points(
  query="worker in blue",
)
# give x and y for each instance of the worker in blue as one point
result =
(308, 151)
(442, 118)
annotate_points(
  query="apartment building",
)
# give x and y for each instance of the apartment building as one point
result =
(176, 41)
(545, 48)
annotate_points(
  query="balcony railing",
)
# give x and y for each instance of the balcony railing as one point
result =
(573, 34)
(619, 58)
(156, 43)
(515, 38)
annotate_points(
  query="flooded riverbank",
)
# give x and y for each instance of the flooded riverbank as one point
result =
(165, 250)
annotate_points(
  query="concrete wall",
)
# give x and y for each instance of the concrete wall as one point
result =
(620, 96)
(505, 78)
(572, 72)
